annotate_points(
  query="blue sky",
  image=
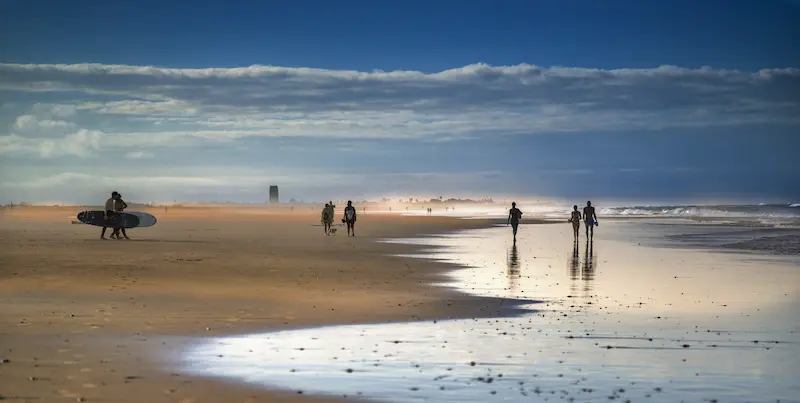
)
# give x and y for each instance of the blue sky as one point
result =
(213, 100)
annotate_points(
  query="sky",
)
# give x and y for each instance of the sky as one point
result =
(572, 100)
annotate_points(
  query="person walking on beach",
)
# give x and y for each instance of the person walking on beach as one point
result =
(110, 213)
(350, 218)
(514, 215)
(590, 219)
(575, 219)
(120, 205)
(327, 218)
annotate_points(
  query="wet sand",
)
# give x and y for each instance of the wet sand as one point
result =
(93, 320)
(620, 320)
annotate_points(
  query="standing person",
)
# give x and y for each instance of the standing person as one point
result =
(110, 213)
(350, 218)
(120, 205)
(590, 219)
(326, 220)
(575, 219)
(514, 215)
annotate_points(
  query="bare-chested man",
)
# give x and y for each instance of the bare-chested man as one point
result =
(590, 219)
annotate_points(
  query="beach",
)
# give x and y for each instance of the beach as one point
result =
(78, 311)
(139, 320)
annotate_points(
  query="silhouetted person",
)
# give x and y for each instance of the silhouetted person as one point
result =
(575, 219)
(350, 218)
(590, 219)
(327, 218)
(514, 215)
(120, 205)
(110, 214)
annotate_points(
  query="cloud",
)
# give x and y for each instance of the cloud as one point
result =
(30, 123)
(147, 106)
(81, 143)
(138, 155)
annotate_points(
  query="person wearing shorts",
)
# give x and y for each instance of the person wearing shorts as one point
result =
(590, 219)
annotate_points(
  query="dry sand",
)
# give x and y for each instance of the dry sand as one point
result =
(88, 320)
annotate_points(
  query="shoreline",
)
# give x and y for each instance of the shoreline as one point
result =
(635, 322)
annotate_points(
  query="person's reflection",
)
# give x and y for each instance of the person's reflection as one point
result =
(589, 264)
(573, 268)
(574, 263)
(513, 267)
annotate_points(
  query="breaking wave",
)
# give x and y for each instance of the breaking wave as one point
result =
(734, 211)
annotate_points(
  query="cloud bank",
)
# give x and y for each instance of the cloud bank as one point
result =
(78, 110)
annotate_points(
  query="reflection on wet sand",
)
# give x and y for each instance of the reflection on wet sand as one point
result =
(653, 328)
(582, 271)
(589, 265)
(513, 268)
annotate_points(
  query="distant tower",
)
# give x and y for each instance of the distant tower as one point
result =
(273, 195)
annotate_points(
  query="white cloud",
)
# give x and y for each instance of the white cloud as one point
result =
(138, 155)
(475, 100)
(81, 143)
(33, 125)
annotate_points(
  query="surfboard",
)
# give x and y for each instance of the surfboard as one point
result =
(132, 219)
(145, 220)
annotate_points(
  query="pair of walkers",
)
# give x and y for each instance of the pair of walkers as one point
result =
(349, 218)
(589, 217)
(114, 206)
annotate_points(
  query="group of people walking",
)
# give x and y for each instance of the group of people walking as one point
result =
(349, 218)
(589, 217)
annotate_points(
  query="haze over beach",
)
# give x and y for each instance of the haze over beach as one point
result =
(679, 121)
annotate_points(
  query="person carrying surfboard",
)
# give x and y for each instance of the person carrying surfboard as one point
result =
(120, 205)
(350, 218)
(110, 213)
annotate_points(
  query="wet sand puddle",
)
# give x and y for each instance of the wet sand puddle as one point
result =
(617, 322)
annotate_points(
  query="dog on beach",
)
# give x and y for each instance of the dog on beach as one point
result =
(332, 231)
